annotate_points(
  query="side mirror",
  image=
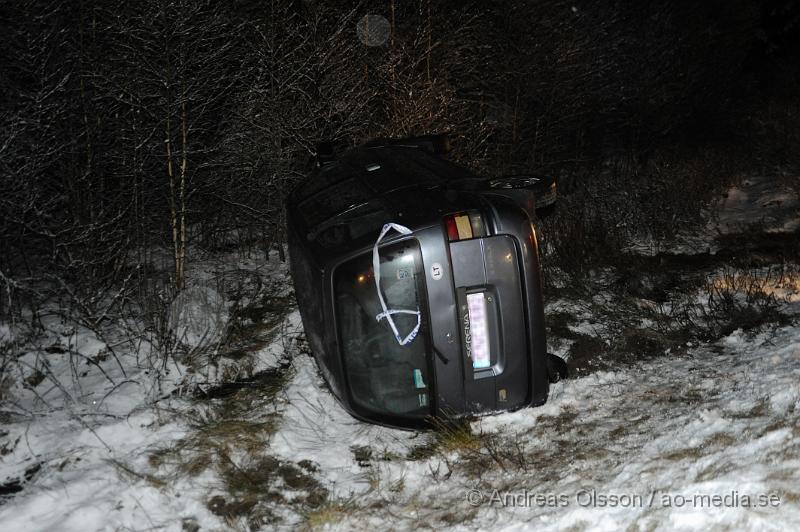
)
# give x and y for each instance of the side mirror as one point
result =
(544, 189)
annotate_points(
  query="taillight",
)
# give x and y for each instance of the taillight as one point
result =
(452, 229)
(465, 225)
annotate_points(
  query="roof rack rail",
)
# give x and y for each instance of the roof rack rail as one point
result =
(438, 144)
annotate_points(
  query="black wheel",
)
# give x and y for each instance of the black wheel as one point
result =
(556, 368)
(543, 188)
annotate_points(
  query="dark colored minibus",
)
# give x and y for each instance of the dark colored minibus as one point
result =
(419, 283)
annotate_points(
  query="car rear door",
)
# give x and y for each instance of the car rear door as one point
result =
(476, 370)
(491, 317)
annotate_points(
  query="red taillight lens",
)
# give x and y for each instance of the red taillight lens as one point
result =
(463, 226)
(452, 230)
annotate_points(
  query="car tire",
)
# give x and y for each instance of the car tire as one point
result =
(556, 368)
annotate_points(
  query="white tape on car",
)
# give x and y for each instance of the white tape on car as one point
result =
(387, 313)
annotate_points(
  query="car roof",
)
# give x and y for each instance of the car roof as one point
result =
(371, 185)
(381, 169)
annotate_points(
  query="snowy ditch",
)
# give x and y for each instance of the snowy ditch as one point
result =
(702, 436)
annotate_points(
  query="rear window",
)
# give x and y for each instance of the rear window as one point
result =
(356, 223)
(384, 377)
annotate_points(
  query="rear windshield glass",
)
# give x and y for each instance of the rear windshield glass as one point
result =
(384, 377)
(351, 225)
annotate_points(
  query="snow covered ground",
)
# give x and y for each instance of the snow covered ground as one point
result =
(761, 205)
(672, 442)
(702, 437)
(710, 438)
(646, 446)
(758, 201)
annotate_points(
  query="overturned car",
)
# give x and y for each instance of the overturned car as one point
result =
(419, 283)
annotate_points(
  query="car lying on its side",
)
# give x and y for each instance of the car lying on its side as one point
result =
(419, 283)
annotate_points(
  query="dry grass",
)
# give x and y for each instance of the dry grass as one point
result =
(450, 435)
(734, 298)
(232, 423)
(231, 427)
(327, 514)
(631, 199)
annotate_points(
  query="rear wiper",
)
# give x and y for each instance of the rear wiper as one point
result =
(439, 354)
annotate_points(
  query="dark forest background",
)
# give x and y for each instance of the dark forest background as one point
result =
(175, 128)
